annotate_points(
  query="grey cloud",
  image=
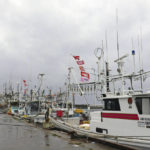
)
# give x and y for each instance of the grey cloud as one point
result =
(39, 36)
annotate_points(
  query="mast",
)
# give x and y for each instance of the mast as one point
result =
(141, 48)
(102, 57)
(99, 54)
(107, 65)
(107, 77)
(140, 66)
(133, 54)
(120, 63)
(106, 46)
(40, 76)
(99, 84)
(141, 40)
(68, 86)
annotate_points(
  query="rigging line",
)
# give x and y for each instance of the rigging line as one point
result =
(79, 87)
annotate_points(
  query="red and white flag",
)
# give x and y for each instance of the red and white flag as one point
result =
(85, 74)
(81, 68)
(25, 85)
(84, 79)
(24, 81)
(76, 57)
(80, 62)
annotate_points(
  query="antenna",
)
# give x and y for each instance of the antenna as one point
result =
(139, 52)
(117, 32)
(132, 43)
(133, 54)
(141, 48)
(140, 63)
(106, 46)
(103, 55)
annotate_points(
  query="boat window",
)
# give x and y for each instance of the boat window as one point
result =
(111, 104)
(143, 105)
(101, 130)
(138, 102)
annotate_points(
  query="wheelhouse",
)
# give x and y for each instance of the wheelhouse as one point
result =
(143, 104)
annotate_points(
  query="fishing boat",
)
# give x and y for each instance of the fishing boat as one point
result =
(126, 112)
(124, 117)
(13, 104)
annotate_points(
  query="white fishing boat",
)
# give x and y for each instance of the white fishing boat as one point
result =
(125, 115)
(13, 105)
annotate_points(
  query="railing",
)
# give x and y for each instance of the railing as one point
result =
(139, 140)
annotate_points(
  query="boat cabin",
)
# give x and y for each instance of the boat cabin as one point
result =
(123, 116)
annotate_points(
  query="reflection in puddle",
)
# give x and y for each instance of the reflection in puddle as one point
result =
(26, 137)
(47, 140)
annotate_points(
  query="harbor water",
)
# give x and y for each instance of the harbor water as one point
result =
(19, 135)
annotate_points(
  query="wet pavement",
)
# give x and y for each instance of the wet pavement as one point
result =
(19, 135)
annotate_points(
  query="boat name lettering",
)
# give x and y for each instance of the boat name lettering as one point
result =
(146, 119)
(144, 122)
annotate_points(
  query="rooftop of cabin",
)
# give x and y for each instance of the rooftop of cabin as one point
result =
(121, 96)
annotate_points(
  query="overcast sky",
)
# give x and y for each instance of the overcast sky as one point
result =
(39, 36)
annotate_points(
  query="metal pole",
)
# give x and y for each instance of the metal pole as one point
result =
(107, 77)
(41, 81)
(98, 69)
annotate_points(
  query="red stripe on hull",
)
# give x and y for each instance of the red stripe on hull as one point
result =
(120, 116)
